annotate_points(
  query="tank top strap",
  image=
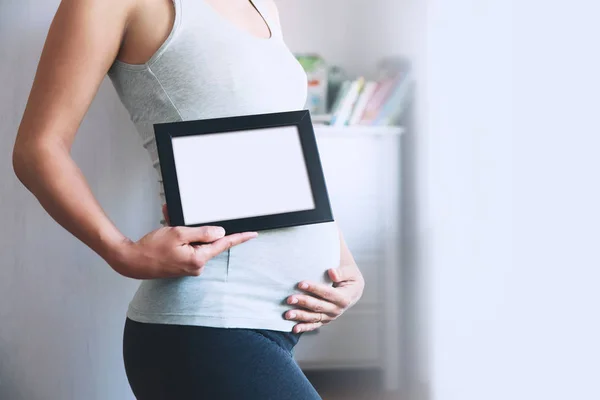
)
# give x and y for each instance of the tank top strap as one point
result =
(268, 16)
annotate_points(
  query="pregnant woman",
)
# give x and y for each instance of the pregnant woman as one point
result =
(212, 321)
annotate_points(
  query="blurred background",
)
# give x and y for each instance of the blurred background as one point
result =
(459, 139)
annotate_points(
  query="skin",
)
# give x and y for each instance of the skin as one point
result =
(85, 38)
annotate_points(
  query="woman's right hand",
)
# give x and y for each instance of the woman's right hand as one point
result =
(168, 251)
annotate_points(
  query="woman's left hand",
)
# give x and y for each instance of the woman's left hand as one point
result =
(324, 303)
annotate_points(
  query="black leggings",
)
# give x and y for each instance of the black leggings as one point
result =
(175, 362)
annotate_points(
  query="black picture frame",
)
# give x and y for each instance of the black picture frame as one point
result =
(165, 132)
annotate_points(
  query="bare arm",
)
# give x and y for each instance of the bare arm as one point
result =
(82, 43)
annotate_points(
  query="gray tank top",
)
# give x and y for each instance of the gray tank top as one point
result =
(207, 68)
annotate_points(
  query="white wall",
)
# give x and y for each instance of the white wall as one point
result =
(306, 22)
(351, 33)
(467, 123)
(61, 308)
(511, 158)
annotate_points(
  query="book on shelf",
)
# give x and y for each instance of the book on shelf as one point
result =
(346, 105)
(391, 112)
(384, 88)
(345, 86)
(373, 103)
(361, 104)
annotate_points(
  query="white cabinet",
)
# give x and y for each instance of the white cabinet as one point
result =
(362, 170)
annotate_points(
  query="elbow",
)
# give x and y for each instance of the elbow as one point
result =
(32, 158)
(18, 162)
(23, 159)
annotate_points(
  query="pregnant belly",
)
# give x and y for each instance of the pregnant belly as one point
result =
(283, 257)
(252, 280)
(263, 272)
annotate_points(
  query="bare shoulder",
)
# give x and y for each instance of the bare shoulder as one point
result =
(85, 17)
(94, 14)
(115, 7)
(82, 42)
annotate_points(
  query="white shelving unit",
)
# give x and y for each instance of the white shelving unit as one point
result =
(324, 131)
(362, 170)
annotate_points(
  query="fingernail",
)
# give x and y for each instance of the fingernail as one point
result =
(336, 274)
(293, 300)
(219, 231)
(304, 285)
(254, 234)
(292, 315)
